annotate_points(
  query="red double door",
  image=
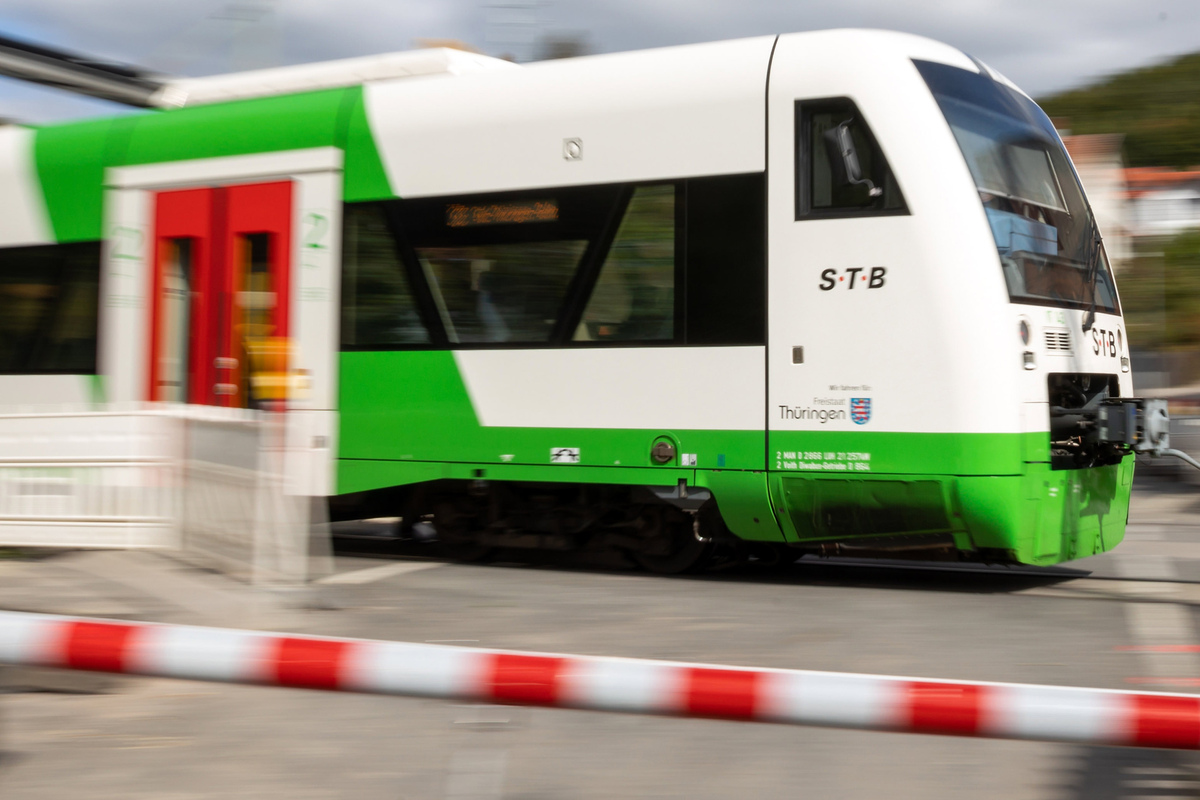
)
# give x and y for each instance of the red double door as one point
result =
(220, 289)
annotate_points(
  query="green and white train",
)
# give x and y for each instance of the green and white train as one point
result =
(826, 292)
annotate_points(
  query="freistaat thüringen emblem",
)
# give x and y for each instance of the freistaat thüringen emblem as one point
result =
(860, 410)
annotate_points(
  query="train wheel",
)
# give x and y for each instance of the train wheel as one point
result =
(455, 538)
(688, 552)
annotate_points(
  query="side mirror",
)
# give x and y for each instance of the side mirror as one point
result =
(843, 158)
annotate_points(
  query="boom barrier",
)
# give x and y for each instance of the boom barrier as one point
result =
(798, 697)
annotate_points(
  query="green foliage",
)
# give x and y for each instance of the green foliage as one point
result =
(1157, 108)
(1160, 295)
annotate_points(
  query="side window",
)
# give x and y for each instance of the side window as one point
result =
(841, 170)
(680, 262)
(726, 260)
(634, 296)
(48, 303)
(502, 268)
(378, 306)
(502, 292)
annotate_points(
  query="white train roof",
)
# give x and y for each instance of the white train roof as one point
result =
(324, 75)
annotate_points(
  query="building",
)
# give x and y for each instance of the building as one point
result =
(1162, 201)
(1101, 168)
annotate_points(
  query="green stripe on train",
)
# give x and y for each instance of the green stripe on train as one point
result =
(71, 158)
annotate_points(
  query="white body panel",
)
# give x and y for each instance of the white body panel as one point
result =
(915, 367)
(1084, 353)
(936, 348)
(681, 111)
(666, 388)
(124, 315)
(23, 218)
(23, 391)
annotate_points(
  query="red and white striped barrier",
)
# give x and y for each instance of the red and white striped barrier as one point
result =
(1015, 711)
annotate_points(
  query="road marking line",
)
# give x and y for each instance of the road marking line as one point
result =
(371, 574)
(1147, 566)
(1163, 632)
(1160, 784)
(1155, 770)
(1158, 648)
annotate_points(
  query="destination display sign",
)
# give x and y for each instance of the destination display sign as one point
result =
(517, 212)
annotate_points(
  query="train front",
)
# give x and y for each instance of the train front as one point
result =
(1067, 330)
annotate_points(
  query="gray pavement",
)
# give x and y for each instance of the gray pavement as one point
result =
(153, 738)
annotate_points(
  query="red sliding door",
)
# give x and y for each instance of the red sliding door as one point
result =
(221, 280)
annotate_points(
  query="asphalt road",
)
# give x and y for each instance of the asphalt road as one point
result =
(151, 738)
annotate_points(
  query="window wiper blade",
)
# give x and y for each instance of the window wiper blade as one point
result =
(1093, 277)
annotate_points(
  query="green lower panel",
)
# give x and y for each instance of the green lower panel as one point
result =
(1041, 517)
(744, 500)
(867, 452)
(837, 508)
(406, 417)
(356, 475)
(1076, 513)
(413, 407)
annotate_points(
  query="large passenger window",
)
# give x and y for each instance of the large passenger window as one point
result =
(503, 292)
(841, 170)
(499, 268)
(671, 263)
(48, 301)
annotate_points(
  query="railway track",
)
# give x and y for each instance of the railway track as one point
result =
(842, 570)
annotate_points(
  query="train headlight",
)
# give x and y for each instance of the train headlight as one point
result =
(1025, 332)
(1028, 360)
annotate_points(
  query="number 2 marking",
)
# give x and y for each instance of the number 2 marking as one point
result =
(318, 227)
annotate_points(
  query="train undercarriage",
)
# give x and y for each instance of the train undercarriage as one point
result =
(666, 530)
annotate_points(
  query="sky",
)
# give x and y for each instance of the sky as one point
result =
(1042, 45)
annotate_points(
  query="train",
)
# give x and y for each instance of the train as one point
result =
(831, 293)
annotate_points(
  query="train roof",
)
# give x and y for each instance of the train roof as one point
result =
(324, 75)
(719, 56)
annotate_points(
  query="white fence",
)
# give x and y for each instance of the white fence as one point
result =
(206, 482)
(234, 483)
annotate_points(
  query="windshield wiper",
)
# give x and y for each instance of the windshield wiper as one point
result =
(1093, 276)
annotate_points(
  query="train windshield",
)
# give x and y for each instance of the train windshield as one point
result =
(1045, 234)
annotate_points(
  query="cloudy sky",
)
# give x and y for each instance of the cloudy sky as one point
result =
(1043, 45)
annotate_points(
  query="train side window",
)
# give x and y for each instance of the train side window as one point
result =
(378, 306)
(502, 268)
(726, 260)
(48, 303)
(503, 292)
(823, 186)
(634, 295)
